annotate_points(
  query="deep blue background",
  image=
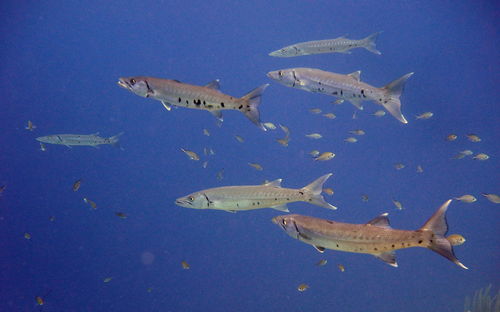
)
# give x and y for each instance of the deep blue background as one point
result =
(60, 63)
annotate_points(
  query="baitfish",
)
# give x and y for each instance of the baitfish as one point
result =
(376, 237)
(175, 93)
(339, 45)
(248, 197)
(80, 139)
(348, 87)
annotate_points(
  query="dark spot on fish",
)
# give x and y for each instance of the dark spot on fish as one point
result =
(328, 221)
(258, 203)
(177, 81)
(341, 92)
(337, 245)
(375, 249)
(253, 204)
(335, 93)
(431, 241)
(204, 103)
(240, 107)
(393, 246)
(187, 102)
(380, 100)
(420, 241)
(275, 199)
(210, 106)
(301, 193)
(385, 102)
(180, 100)
(402, 244)
(222, 104)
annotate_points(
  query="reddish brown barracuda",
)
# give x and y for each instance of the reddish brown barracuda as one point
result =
(376, 237)
(175, 93)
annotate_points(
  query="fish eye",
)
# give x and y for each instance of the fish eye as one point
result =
(132, 81)
(283, 222)
(280, 73)
(191, 198)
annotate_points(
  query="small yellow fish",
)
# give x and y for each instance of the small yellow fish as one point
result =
(425, 115)
(481, 156)
(239, 139)
(315, 110)
(473, 138)
(91, 203)
(314, 153)
(451, 137)
(492, 198)
(269, 125)
(303, 287)
(325, 156)
(107, 279)
(283, 141)
(121, 215)
(351, 140)
(185, 265)
(191, 155)
(357, 132)
(466, 198)
(398, 204)
(27, 235)
(39, 300)
(379, 113)
(314, 136)
(30, 126)
(76, 185)
(256, 166)
(456, 239)
(321, 262)
(206, 132)
(328, 191)
(339, 101)
(399, 166)
(42, 147)
(364, 197)
(341, 267)
(330, 115)
(420, 169)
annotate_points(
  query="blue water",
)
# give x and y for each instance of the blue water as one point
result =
(60, 64)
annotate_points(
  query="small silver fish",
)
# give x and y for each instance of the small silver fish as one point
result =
(399, 166)
(466, 198)
(325, 156)
(269, 125)
(420, 169)
(314, 136)
(473, 138)
(351, 140)
(425, 115)
(481, 156)
(398, 204)
(315, 110)
(357, 132)
(30, 126)
(256, 166)
(314, 153)
(239, 138)
(206, 132)
(192, 155)
(42, 147)
(492, 198)
(330, 116)
(379, 113)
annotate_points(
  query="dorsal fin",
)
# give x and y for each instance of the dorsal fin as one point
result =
(380, 221)
(356, 75)
(213, 84)
(275, 183)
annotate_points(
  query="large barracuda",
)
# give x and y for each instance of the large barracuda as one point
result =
(248, 197)
(175, 93)
(348, 87)
(376, 237)
(80, 139)
(340, 45)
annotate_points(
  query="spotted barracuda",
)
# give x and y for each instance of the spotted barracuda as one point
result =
(248, 197)
(175, 93)
(80, 139)
(339, 45)
(376, 237)
(346, 87)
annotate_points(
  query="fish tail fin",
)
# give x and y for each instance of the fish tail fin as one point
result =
(251, 109)
(438, 226)
(115, 140)
(370, 43)
(315, 188)
(391, 101)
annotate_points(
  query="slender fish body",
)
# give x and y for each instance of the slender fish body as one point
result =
(348, 87)
(175, 93)
(339, 45)
(376, 237)
(248, 197)
(80, 139)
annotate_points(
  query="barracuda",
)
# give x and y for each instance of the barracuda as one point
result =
(248, 197)
(347, 87)
(175, 93)
(80, 139)
(376, 237)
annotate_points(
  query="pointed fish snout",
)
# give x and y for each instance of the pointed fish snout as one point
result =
(275, 220)
(122, 83)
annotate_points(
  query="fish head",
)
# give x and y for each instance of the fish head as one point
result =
(287, 223)
(52, 139)
(283, 52)
(284, 76)
(137, 85)
(195, 201)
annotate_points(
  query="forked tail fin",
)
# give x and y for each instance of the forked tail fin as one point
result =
(391, 100)
(438, 226)
(315, 188)
(115, 140)
(370, 43)
(251, 109)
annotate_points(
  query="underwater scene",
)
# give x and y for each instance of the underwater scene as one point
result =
(306, 155)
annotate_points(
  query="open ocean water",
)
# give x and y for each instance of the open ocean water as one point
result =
(60, 63)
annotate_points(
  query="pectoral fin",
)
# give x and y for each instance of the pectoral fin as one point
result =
(231, 211)
(218, 115)
(283, 208)
(356, 103)
(166, 105)
(319, 248)
(389, 258)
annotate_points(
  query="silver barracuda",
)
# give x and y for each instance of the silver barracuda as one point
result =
(339, 45)
(175, 93)
(80, 139)
(348, 87)
(376, 237)
(248, 197)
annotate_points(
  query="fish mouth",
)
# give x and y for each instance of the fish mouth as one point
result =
(182, 203)
(122, 83)
(275, 220)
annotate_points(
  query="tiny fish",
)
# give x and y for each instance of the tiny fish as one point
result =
(325, 156)
(355, 114)
(462, 154)
(466, 198)
(239, 139)
(27, 235)
(220, 175)
(256, 166)
(121, 215)
(283, 141)
(338, 102)
(303, 287)
(399, 166)
(321, 262)
(107, 279)
(2, 188)
(269, 126)
(314, 153)
(379, 113)
(328, 191)
(398, 204)
(481, 156)
(425, 115)
(205, 164)
(451, 137)
(330, 116)
(185, 265)
(314, 136)
(91, 203)
(456, 239)
(315, 110)
(364, 197)
(420, 169)
(473, 138)
(191, 155)
(206, 132)
(76, 185)
(39, 301)
(30, 126)
(351, 140)
(341, 267)
(357, 132)
(492, 198)
(42, 147)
